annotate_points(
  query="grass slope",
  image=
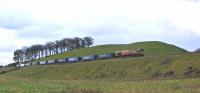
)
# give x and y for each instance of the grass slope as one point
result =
(140, 68)
(161, 61)
(123, 75)
(151, 48)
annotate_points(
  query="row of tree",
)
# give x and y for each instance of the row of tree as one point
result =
(51, 48)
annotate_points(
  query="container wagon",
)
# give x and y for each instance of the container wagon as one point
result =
(74, 59)
(105, 56)
(42, 63)
(89, 58)
(51, 61)
(61, 60)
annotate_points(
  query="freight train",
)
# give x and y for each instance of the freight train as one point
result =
(117, 54)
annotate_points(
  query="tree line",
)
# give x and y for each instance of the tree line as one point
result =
(38, 51)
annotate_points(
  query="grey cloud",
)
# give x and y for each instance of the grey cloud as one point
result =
(191, 42)
(108, 28)
(161, 31)
(195, 0)
(39, 31)
(180, 37)
(7, 49)
(13, 20)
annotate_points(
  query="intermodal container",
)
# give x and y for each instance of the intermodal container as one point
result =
(89, 58)
(74, 59)
(51, 62)
(42, 62)
(61, 60)
(105, 56)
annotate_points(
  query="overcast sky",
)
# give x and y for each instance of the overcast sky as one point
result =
(27, 22)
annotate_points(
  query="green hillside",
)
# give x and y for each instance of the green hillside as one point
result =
(151, 48)
(164, 69)
(140, 68)
(161, 60)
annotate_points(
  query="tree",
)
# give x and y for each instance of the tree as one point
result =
(18, 56)
(27, 53)
(34, 51)
(82, 42)
(16, 59)
(57, 46)
(69, 43)
(77, 42)
(88, 41)
(50, 46)
(62, 45)
(46, 49)
(40, 49)
(37, 50)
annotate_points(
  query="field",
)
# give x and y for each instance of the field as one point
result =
(23, 85)
(164, 69)
(169, 74)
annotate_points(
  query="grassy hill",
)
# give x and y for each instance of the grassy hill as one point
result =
(161, 61)
(151, 48)
(164, 69)
(140, 68)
